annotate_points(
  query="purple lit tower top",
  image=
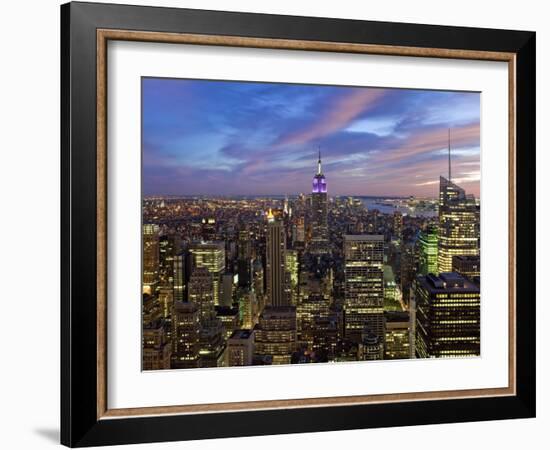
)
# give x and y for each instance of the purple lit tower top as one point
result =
(319, 182)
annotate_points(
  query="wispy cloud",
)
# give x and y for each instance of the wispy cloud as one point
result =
(337, 115)
(260, 138)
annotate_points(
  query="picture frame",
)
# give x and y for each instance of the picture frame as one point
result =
(86, 418)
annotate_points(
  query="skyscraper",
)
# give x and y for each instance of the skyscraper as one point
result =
(428, 249)
(240, 348)
(185, 335)
(248, 308)
(312, 307)
(168, 247)
(447, 316)
(364, 285)
(370, 347)
(211, 343)
(150, 257)
(244, 261)
(258, 277)
(275, 262)
(467, 266)
(201, 292)
(208, 229)
(275, 333)
(300, 230)
(210, 255)
(409, 268)
(156, 349)
(398, 337)
(166, 300)
(319, 212)
(227, 287)
(179, 277)
(397, 224)
(292, 268)
(458, 222)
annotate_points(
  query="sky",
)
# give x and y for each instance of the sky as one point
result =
(202, 137)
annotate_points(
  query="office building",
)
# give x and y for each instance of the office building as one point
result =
(397, 224)
(458, 224)
(211, 343)
(240, 348)
(229, 316)
(168, 248)
(409, 268)
(312, 309)
(428, 251)
(370, 347)
(179, 277)
(248, 308)
(275, 334)
(201, 292)
(447, 316)
(397, 343)
(292, 269)
(275, 262)
(210, 255)
(150, 258)
(228, 281)
(185, 335)
(467, 266)
(156, 349)
(244, 260)
(364, 285)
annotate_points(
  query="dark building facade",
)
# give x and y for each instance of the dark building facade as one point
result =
(447, 316)
(467, 266)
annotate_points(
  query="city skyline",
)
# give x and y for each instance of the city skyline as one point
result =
(200, 136)
(314, 276)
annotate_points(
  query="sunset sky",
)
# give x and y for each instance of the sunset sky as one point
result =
(243, 138)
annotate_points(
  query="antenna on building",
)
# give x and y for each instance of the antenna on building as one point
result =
(319, 160)
(449, 148)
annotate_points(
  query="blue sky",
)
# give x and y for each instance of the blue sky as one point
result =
(243, 138)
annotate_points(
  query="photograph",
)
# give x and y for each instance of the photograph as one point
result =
(303, 223)
(273, 224)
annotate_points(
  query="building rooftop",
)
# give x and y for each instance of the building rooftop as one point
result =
(447, 282)
(396, 316)
(363, 237)
(188, 307)
(223, 310)
(278, 310)
(202, 245)
(241, 334)
(474, 258)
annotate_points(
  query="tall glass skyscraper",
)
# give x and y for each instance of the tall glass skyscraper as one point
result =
(428, 251)
(364, 285)
(458, 224)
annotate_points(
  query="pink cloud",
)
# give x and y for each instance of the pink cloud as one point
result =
(339, 114)
(432, 140)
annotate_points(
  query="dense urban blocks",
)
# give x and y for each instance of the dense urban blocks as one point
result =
(261, 280)
(260, 246)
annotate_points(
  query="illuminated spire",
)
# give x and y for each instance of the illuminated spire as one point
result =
(270, 216)
(319, 182)
(449, 148)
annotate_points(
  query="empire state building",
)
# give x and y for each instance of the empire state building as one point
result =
(319, 225)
